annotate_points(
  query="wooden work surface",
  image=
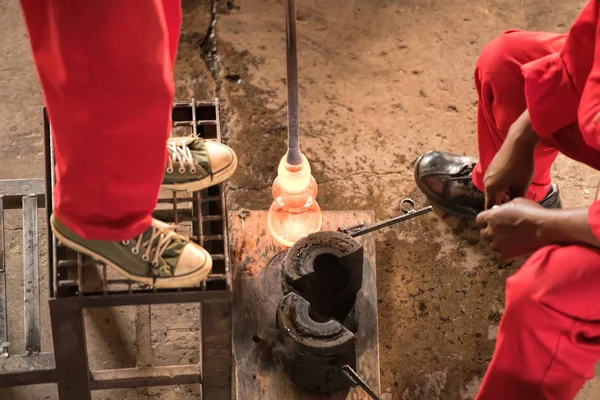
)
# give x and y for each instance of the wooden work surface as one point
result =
(256, 295)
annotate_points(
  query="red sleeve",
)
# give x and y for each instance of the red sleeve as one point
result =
(551, 97)
(594, 218)
(589, 108)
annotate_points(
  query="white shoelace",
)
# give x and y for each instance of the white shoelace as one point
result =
(153, 251)
(180, 153)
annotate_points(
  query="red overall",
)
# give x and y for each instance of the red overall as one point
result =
(549, 337)
(106, 68)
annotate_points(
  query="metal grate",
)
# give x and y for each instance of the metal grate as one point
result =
(200, 215)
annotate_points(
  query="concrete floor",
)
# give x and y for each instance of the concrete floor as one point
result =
(381, 81)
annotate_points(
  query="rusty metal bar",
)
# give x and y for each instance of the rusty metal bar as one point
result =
(31, 281)
(225, 238)
(165, 296)
(143, 336)
(146, 377)
(177, 124)
(49, 186)
(73, 263)
(175, 216)
(194, 119)
(205, 103)
(217, 358)
(207, 238)
(18, 370)
(70, 350)
(21, 187)
(79, 273)
(212, 218)
(199, 217)
(3, 300)
(218, 119)
(13, 191)
(169, 200)
(104, 278)
(201, 340)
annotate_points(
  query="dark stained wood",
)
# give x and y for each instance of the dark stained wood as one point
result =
(256, 294)
(145, 377)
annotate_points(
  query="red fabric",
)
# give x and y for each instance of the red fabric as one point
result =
(500, 87)
(106, 69)
(549, 337)
(505, 81)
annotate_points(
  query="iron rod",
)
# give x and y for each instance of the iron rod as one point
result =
(358, 381)
(3, 300)
(293, 154)
(392, 221)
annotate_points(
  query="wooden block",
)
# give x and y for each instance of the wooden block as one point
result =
(256, 294)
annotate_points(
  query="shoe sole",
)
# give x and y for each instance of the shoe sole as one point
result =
(189, 280)
(207, 182)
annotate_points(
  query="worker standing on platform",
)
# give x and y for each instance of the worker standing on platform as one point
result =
(106, 69)
(539, 94)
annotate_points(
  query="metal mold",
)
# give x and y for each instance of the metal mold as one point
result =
(321, 276)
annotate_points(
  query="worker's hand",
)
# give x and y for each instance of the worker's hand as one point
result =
(510, 173)
(514, 229)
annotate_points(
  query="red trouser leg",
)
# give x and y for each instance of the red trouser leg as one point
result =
(549, 337)
(106, 68)
(172, 10)
(500, 87)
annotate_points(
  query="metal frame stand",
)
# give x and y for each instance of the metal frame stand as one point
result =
(201, 215)
(30, 366)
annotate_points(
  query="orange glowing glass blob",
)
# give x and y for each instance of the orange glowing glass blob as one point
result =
(294, 212)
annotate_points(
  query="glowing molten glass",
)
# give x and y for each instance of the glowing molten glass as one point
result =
(294, 213)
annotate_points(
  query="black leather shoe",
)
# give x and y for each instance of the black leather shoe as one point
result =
(446, 180)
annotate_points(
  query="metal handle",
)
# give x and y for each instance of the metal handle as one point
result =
(356, 380)
(408, 208)
(293, 155)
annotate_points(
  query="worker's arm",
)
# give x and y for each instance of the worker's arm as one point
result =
(572, 226)
(522, 226)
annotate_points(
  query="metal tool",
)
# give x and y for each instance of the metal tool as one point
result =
(294, 157)
(356, 380)
(409, 212)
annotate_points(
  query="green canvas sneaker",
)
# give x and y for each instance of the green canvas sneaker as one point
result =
(159, 257)
(195, 164)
